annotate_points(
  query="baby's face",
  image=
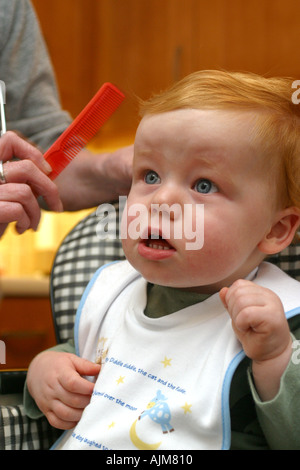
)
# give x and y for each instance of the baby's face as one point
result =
(190, 163)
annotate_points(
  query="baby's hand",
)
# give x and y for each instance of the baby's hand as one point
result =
(54, 381)
(259, 323)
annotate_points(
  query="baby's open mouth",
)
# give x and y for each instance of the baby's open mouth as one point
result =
(158, 243)
(155, 247)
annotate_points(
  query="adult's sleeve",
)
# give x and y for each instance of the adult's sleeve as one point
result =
(32, 103)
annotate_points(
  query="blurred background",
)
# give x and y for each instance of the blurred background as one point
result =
(143, 46)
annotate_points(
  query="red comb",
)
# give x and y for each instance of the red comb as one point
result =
(83, 128)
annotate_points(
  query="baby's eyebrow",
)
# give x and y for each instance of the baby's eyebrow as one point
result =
(213, 161)
(209, 157)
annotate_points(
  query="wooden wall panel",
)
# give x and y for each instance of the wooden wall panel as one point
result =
(68, 27)
(140, 45)
(145, 45)
(261, 36)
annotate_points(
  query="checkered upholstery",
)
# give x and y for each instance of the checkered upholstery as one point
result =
(78, 257)
(18, 432)
(289, 260)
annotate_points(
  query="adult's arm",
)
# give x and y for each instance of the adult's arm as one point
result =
(32, 103)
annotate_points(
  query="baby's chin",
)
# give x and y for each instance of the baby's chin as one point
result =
(167, 282)
(179, 284)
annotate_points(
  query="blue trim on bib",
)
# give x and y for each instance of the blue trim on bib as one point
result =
(292, 313)
(82, 302)
(57, 442)
(226, 421)
(76, 325)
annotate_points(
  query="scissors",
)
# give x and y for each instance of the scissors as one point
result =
(2, 112)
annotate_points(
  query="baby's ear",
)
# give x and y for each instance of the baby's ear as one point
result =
(282, 231)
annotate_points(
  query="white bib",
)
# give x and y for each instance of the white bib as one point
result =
(164, 382)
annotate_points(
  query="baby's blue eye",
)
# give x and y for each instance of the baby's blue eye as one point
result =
(204, 186)
(151, 177)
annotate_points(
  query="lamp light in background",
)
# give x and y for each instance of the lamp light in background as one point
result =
(45, 243)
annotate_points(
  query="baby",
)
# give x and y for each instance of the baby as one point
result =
(195, 340)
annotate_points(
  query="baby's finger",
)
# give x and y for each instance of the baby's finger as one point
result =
(222, 295)
(74, 400)
(76, 384)
(55, 419)
(85, 367)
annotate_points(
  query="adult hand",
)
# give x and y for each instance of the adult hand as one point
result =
(25, 180)
(91, 179)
